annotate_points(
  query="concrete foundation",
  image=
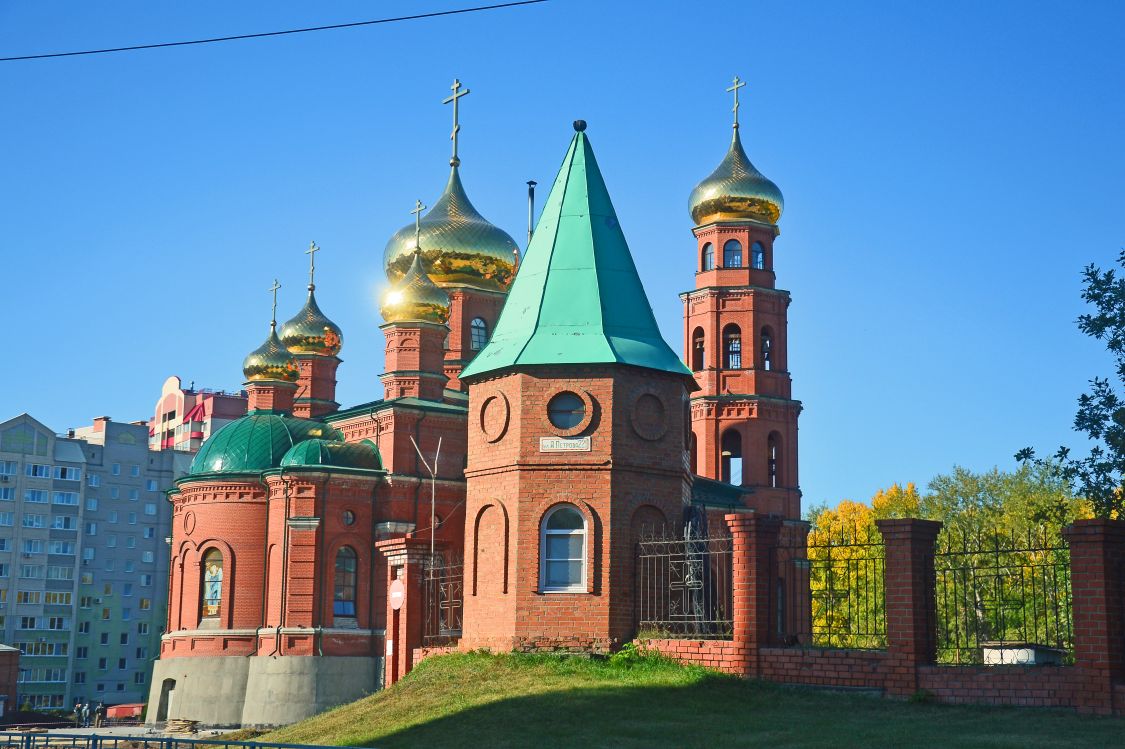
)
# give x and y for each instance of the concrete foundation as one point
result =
(231, 691)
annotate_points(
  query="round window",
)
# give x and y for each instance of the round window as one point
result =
(349, 517)
(566, 410)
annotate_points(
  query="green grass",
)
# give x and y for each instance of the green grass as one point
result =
(478, 700)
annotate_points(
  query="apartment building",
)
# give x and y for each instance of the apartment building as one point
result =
(83, 558)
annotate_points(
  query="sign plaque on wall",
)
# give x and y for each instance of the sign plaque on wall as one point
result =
(564, 444)
(398, 594)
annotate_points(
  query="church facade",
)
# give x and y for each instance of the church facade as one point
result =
(533, 422)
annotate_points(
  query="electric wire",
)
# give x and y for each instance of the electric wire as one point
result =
(353, 24)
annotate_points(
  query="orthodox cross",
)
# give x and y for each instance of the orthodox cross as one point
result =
(458, 92)
(311, 252)
(273, 317)
(734, 89)
(418, 208)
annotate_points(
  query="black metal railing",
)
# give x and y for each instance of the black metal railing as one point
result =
(444, 594)
(829, 590)
(998, 592)
(683, 584)
(25, 740)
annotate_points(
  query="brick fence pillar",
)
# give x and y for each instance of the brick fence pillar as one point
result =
(405, 558)
(754, 539)
(911, 608)
(1097, 583)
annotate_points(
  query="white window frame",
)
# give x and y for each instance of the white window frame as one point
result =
(579, 587)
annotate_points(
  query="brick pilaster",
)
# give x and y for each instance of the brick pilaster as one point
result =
(911, 607)
(754, 539)
(405, 557)
(1097, 582)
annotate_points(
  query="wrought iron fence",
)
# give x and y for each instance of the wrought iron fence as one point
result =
(444, 590)
(829, 590)
(683, 585)
(1003, 598)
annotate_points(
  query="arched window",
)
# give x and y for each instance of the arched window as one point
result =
(562, 550)
(478, 334)
(771, 458)
(757, 256)
(767, 349)
(212, 598)
(343, 600)
(693, 452)
(708, 257)
(732, 457)
(732, 347)
(698, 359)
(732, 254)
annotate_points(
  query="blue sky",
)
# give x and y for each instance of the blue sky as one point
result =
(948, 171)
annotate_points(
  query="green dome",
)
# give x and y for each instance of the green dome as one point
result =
(256, 442)
(320, 452)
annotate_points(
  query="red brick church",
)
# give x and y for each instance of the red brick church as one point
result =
(566, 424)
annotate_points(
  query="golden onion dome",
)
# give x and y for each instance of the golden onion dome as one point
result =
(415, 298)
(461, 247)
(310, 332)
(270, 362)
(736, 190)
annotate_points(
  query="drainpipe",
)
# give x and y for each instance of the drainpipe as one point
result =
(417, 469)
(265, 569)
(284, 572)
(318, 631)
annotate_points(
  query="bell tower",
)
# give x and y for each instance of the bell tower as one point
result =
(743, 418)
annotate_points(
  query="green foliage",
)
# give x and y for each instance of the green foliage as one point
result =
(1100, 475)
(632, 655)
(1009, 522)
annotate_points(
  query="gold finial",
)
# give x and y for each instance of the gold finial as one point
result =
(418, 208)
(311, 252)
(273, 315)
(734, 89)
(458, 92)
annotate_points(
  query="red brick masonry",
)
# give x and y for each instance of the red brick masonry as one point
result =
(1094, 684)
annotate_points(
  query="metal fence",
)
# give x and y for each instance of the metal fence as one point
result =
(444, 595)
(683, 585)
(25, 740)
(1003, 598)
(829, 590)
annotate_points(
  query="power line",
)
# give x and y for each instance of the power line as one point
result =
(276, 33)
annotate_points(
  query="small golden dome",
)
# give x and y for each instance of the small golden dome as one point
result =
(736, 190)
(310, 332)
(415, 298)
(461, 247)
(270, 362)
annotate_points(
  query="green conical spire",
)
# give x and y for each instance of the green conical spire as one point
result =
(577, 298)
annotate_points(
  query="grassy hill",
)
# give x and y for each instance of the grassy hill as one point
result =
(477, 700)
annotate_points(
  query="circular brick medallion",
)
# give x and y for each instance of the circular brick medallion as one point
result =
(495, 414)
(189, 522)
(649, 417)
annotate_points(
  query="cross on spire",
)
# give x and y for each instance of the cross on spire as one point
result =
(311, 252)
(273, 315)
(458, 92)
(418, 208)
(734, 89)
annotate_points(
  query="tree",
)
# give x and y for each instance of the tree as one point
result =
(1002, 570)
(1101, 412)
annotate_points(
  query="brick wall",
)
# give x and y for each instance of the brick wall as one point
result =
(907, 667)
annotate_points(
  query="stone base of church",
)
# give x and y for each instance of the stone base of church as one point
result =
(257, 691)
